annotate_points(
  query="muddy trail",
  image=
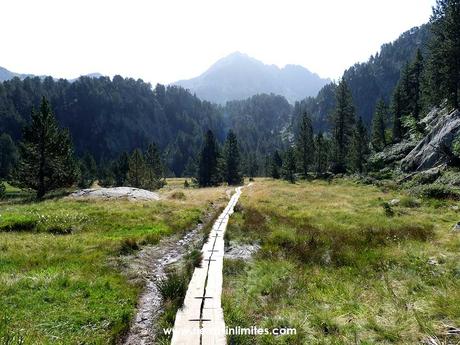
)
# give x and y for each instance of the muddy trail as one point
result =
(150, 265)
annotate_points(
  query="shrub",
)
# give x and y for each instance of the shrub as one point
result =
(178, 195)
(18, 223)
(151, 239)
(388, 209)
(238, 208)
(192, 260)
(2, 190)
(233, 267)
(436, 191)
(173, 288)
(127, 246)
(60, 230)
(409, 202)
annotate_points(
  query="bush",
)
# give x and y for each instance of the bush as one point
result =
(436, 191)
(178, 195)
(388, 209)
(2, 190)
(127, 246)
(409, 202)
(173, 288)
(60, 230)
(18, 223)
(192, 260)
(151, 239)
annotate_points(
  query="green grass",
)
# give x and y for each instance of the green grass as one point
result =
(337, 267)
(61, 281)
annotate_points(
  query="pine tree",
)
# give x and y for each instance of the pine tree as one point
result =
(154, 168)
(445, 48)
(252, 166)
(120, 169)
(416, 78)
(232, 168)
(136, 176)
(276, 164)
(208, 170)
(321, 153)
(305, 143)
(378, 126)
(359, 147)
(8, 155)
(342, 127)
(396, 110)
(88, 171)
(289, 165)
(46, 154)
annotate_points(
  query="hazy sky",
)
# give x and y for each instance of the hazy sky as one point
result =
(166, 40)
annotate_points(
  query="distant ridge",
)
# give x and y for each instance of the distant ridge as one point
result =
(239, 76)
(8, 75)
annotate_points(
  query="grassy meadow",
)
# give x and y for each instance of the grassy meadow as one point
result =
(341, 267)
(60, 278)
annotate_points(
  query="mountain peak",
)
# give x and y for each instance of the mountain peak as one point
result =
(239, 76)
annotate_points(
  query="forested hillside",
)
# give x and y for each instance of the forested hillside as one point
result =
(369, 81)
(107, 117)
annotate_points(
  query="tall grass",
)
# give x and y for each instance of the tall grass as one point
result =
(334, 265)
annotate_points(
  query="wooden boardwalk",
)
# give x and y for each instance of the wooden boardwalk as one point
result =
(201, 320)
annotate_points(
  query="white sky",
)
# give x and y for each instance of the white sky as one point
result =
(167, 40)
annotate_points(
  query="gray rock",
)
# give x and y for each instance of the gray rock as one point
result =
(394, 202)
(116, 193)
(242, 251)
(428, 152)
(391, 155)
(456, 227)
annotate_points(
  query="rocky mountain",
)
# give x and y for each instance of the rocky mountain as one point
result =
(238, 76)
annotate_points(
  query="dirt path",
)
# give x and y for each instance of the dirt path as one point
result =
(201, 320)
(149, 265)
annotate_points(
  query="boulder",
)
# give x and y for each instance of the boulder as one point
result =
(116, 193)
(429, 151)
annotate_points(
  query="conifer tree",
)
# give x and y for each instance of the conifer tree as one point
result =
(88, 171)
(416, 81)
(208, 170)
(121, 168)
(342, 127)
(46, 154)
(359, 147)
(378, 126)
(252, 166)
(8, 155)
(232, 168)
(289, 165)
(321, 154)
(154, 167)
(397, 110)
(136, 176)
(276, 164)
(445, 48)
(305, 143)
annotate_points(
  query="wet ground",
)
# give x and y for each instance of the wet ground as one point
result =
(150, 265)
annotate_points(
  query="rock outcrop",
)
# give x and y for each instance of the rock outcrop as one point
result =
(116, 193)
(430, 151)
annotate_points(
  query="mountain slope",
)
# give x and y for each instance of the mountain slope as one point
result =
(368, 81)
(238, 76)
(7, 75)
